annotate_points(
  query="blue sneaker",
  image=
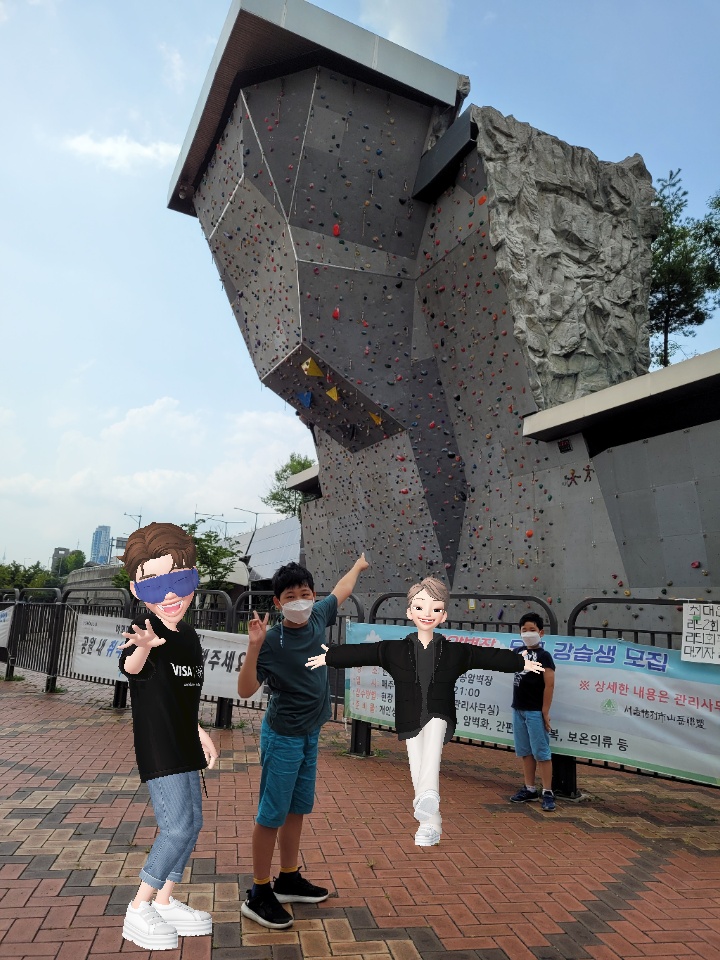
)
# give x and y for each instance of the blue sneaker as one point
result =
(524, 796)
(548, 800)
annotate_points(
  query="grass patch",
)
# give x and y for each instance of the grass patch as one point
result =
(16, 677)
(240, 725)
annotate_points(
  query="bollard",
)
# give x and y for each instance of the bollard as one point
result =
(564, 777)
(120, 695)
(223, 714)
(360, 739)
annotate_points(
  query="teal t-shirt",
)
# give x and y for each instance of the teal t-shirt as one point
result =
(299, 697)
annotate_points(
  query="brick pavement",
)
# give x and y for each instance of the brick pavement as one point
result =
(632, 873)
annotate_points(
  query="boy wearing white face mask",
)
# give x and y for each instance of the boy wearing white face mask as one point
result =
(299, 705)
(532, 696)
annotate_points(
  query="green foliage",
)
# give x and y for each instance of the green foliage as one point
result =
(121, 580)
(215, 559)
(73, 561)
(17, 575)
(685, 269)
(284, 501)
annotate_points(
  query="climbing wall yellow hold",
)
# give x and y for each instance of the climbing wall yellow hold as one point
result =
(311, 368)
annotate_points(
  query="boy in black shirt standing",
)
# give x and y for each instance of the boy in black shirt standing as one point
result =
(162, 660)
(532, 696)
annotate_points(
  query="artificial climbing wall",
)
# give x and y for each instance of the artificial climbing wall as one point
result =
(389, 325)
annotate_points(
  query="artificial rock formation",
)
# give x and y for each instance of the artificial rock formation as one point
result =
(572, 237)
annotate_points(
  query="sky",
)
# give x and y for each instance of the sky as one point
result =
(125, 387)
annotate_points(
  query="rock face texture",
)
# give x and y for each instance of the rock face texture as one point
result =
(413, 336)
(572, 238)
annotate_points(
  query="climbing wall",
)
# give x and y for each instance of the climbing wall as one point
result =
(387, 323)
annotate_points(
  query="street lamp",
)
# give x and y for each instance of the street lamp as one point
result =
(133, 516)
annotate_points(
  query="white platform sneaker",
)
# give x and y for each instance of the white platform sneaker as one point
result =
(146, 928)
(187, 922)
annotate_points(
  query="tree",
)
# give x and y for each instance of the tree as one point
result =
(284, 501)
(215, 559)
(685, 268)
(73, 561)
(14, 575)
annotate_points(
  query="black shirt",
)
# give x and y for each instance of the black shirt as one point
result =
(451, 660)
(529, 688)
(165, 699)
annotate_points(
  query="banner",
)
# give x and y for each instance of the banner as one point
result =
(97, 652)
(625, 703)
(5, 623)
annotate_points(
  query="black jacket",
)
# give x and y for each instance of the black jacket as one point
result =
(397, 657)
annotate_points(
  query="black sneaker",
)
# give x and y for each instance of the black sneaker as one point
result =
(524, 796)
(293, 888)
(265, 910)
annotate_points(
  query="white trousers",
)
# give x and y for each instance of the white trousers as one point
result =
(424, 754)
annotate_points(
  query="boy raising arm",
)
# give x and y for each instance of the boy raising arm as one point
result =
(298, 706)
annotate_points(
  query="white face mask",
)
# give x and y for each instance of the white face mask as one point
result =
(531, 638)
(298, 611)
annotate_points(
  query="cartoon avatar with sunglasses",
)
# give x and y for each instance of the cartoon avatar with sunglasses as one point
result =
(163, 662)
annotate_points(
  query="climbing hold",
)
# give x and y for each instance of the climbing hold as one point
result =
(311, 369)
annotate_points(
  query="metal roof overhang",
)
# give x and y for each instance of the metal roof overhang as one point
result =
(262, 39)
(683, 395)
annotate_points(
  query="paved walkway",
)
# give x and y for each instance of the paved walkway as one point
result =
(633, 872)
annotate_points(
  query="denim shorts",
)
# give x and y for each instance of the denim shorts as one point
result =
(177, 803)
(287, 782)
(530, 734)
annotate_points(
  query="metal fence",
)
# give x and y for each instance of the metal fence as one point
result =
(44, 625)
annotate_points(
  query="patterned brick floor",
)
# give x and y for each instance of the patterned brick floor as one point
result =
(632, 872)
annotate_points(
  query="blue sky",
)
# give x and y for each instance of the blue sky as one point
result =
(125, 384)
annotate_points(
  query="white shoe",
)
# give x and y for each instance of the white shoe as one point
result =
(187, 922)
(146, 928)
(426, 805)
(427, 835)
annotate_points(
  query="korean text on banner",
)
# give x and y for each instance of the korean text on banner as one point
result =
(625, 703)
(97, 652)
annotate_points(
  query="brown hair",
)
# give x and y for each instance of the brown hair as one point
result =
(158, 540)
(431, 585)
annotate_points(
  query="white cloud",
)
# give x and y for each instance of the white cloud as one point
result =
(174, 72)
(4, 11)
(419, 25)
(121, 152)
(164, 460)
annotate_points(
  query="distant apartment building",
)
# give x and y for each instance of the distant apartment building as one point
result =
(100, 550)
(59, 554)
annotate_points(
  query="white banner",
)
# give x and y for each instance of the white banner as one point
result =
(701, 632)
(5, 623)
(622, 702)
(97, 652)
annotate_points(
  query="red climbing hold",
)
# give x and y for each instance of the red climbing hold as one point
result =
(336, 230)
(336, 313)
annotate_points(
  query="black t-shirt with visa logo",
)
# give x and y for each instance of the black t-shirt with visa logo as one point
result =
(529, 688)
(165, 699)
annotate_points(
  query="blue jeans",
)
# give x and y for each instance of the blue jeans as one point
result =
(177, 802)
(530, 735)
(287, 782)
